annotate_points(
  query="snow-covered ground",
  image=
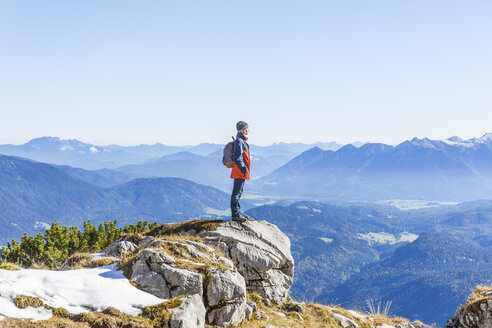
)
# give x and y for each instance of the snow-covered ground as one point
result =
(77, 291)
(387, 238)
(414, 204)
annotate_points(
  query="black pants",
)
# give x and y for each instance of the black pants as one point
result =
(237, 191)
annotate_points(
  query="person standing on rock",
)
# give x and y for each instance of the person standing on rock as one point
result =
(241, 169)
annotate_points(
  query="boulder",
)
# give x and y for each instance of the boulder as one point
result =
(190, 314)
(230, 314)
(224, 285)
(226, 298)
(344, 321)
(152, 272)
(120, 247)
(260, 252)
(292, 307)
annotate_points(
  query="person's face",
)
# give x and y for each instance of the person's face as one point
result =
(246, 131)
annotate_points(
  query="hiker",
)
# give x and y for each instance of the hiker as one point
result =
(240, 170)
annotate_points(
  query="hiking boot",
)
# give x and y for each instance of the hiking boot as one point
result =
(239, 218)
(249, 218)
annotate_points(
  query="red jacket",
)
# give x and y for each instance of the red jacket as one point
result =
(242, 162)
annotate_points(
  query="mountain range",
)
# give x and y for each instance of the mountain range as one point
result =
(451, 169)
(88, 156)
(33, 194)
(423, 280)
(424, 262)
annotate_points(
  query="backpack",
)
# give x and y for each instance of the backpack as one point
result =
(227, 159)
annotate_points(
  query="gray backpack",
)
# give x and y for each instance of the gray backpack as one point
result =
(227, 159)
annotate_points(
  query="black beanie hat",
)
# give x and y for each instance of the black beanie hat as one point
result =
(241, 125)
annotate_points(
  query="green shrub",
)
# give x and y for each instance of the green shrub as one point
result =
(59, 242)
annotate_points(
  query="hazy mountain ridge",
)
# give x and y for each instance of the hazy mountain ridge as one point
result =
(200, 163)
(33, 194)
(89, 156)
(416, 169)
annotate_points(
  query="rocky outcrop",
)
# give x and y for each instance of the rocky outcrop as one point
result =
(476, 312)
(214, 261)
(261, 253)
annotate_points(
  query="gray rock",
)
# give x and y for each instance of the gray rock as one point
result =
(250, 309)
(226, 298)
(231, 314)
(190, 314)
(477, 315)
(226, 261)
(119, 247)
(261, 253)
(224, 286)
(344, 321)
(153, 273)
(292, 307)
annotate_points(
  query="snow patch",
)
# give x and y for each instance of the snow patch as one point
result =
(414, 204)
(387, 238)
(214, 211)
(41, 225)
(66, 147)
(93, 150)
(77, 291)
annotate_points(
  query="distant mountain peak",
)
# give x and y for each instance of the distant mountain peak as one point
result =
(455, 139)
(55, 141)
(44, 140)
(348, 147)
(487, 137)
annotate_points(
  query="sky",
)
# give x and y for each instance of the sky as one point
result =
(184, 72)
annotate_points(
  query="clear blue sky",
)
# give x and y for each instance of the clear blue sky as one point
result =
(183, 72)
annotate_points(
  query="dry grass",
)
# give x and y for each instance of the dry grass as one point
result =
(186, 260)
(315, 315)
(477, 294)
(9, 266)
(126, 264)
(160, 314)
(180, 238)
(83, 260)
(151, 317)
(193, 225)
(477, 298)
(53, 322)
(23, 301)
(135, 238)
(78, 260)
(40, 265)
